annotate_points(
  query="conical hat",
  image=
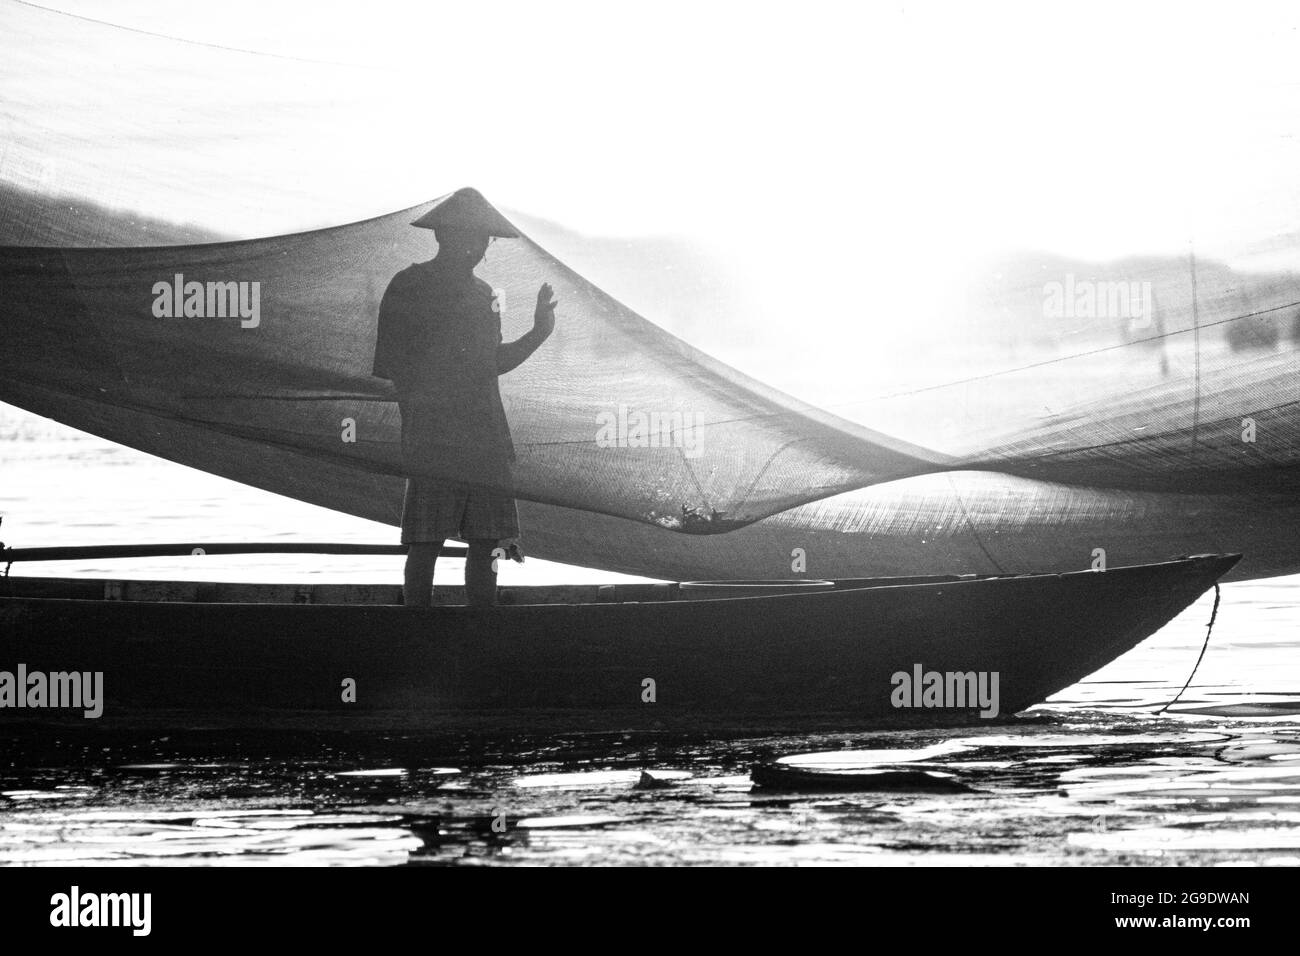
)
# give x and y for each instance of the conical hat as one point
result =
(467, 209)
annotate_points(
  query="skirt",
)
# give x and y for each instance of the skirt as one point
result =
(436, 510)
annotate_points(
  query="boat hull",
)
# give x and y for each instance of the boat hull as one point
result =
(823, 660)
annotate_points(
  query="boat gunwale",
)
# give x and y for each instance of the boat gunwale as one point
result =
(841, 586)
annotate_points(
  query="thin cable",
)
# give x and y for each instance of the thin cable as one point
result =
(971, 524)
(1210, 627)
(168, 36)
(1196, 351)
(1065, 358)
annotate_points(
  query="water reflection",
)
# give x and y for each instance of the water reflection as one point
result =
(1074, 787)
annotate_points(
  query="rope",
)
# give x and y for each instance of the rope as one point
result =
(1210, 627)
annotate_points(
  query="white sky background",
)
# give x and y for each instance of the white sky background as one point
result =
(1095, 129)
(820, 148)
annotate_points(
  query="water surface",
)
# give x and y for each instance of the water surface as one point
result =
(1095, 776)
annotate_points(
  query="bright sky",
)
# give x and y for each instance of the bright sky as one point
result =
(823, 147)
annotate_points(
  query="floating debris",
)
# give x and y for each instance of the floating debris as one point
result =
(778, 776)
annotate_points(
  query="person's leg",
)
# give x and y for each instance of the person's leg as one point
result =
(480, 575)
(417, 590)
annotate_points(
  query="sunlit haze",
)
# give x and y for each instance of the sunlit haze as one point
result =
(844, 167)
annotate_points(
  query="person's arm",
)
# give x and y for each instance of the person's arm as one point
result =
(511, 355)
(392, 348)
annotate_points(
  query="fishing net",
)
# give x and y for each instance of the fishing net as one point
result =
(611, 414)
(1147, 405)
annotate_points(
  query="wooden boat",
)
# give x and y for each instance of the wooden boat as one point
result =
(813, 655)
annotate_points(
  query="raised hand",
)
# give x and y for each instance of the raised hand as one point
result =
(544, 314)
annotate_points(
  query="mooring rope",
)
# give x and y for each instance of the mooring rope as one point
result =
(1208, 629)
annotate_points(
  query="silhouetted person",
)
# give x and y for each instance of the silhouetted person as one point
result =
(440, 344)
